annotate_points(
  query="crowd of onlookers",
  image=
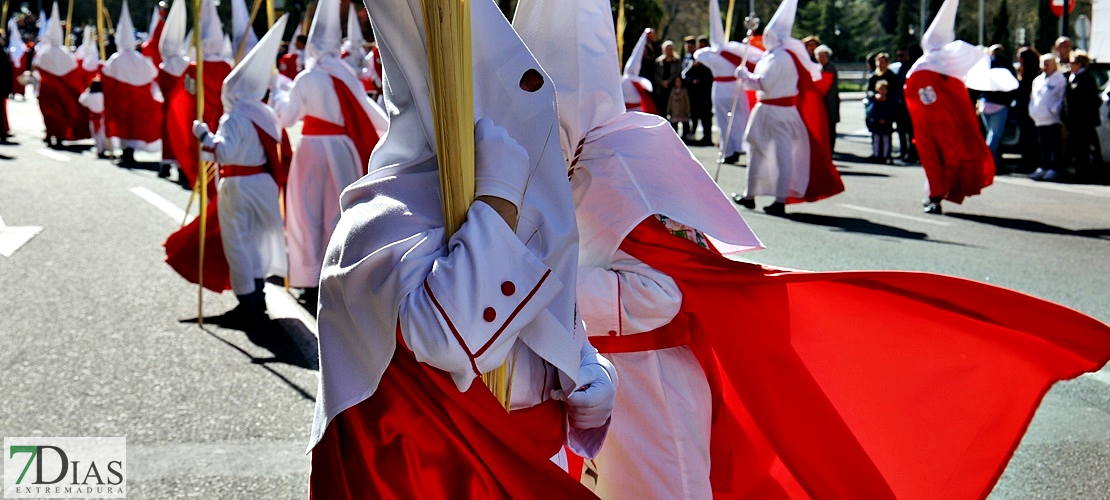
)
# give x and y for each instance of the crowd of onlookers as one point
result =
(682, 88)
(1055, 110)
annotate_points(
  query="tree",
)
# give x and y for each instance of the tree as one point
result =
(1001, 33)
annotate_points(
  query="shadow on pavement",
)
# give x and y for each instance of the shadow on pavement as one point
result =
(152, 166)
(855, 225)
(851, 173)
(1031, 226)
(72, 148)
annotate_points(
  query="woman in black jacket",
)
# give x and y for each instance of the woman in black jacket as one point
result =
(1081, 104)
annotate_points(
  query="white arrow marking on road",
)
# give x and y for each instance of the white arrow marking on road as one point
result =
(895, 215)
(13, 237)
(53, 155)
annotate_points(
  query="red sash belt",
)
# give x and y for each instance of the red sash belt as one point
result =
(781, 101)
(316, 126)
(543, 424)
(724, 78)
(673, 334)
(240, 170)
(632, 105)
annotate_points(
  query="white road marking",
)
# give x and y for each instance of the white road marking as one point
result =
(53, 155)
(1099, 191)
(166, 206)
(13, 237)
(896, 215)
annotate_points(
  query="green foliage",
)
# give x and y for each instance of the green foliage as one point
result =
(639, 14)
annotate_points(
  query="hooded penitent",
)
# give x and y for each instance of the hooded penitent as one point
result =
(150, 47)
(240, 24)
(245, 242)
(132, 98)
(635, 88)
(391, 230)
(956, 160)
(16, 47)
(88, 54)
(171, 43)
(352, 50)
(182, 106)
(341, 127)
(796, 166)
(61, 85)
(722, 58)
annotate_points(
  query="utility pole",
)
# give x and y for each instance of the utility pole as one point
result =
(1064, 19)
(982, 14)
(924, 25)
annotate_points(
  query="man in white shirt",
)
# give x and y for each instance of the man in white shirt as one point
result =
(1045, 103)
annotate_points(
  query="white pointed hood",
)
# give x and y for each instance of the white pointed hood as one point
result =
(326, 34)
(353, 45)
(172, 44)
(247, 84)
(152, 26)
(633, 64)
(778, 33)
(211, 32)
(946, 55)
(125, 30)
(53, 57)
(356, 344)
(587, 81)
(88, 52)
(240, 21)
(16, 47)
(716, 25)
(631, 165)
(43, 23)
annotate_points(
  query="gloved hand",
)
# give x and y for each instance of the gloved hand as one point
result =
(592, 403)
(501, 165)
(742, 73)
(200, 129)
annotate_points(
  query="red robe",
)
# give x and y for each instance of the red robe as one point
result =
(130, 111)
(183, 110)
(287, 65)
(170, 86)
(824, 180)
(955, 157)
(64, 117)
(149, 48)
(865, 384)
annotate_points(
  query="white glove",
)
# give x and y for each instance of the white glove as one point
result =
(501, 165)
(742, 73)
(200, 129)
(592, 403)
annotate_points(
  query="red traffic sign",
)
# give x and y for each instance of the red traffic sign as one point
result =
(1057, 7)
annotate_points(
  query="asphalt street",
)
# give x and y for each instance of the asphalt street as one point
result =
(98, 336)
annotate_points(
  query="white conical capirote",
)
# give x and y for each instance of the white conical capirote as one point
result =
(354, 32)
(152, 26)
(211, 31)
(42, 23)
(240, 21)
(88, 52)
(632, 65)
(942, 31)
(326, 34)
(716, 25)
(576, 44)
(125, 30)
(16, 47)
(251, 77)
(54, 28)
(172, 43)
(781, 25)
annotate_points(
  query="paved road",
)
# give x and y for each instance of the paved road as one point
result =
(98, 335)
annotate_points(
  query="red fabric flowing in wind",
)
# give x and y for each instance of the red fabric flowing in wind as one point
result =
(183, 110)
(131, 111)
(183, 252)
(824, 180)
(647, 105)
(356, 123)
(170, 86)
(955, 157)
(149, 48)
(417, 436)
(287, 65)
(866, 384)
(64, 117)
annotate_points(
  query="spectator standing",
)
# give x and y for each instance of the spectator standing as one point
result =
(996, 106)
(678, 107)
(1029, 62)
(832, 97)
(667, 67)
(1046, 101)
(689, 46)
(699, 84)
(1062, 48)
(1081, 105)
(880, 121)
(883, 73)
(811, 43)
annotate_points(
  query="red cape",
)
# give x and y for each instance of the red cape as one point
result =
(287, 65)
(647, 105)
(183, 252)
(866, 384)
(129, 111)
(64, 117)
(417, 436)
(170, 86)
(183, 110)
(824, 180)
(356, 123)
(149, 48)
(955, 157)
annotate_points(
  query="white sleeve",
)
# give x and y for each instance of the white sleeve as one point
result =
(288, 106)
(630, 297)
(479, 293)
(228, 139)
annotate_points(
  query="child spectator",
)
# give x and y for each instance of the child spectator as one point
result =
(678, 107)
(93, 100)
(880, 121)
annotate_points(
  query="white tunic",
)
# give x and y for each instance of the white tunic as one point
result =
(725, 93)
(250, 216)
(94, 102)
(322, 166)
(776, 136)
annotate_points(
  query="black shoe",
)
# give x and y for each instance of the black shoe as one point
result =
(164, 171)
(777, 209)
(732, 159)
(128, 156)
(744, 202)
(247, 313)
(934, 208)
